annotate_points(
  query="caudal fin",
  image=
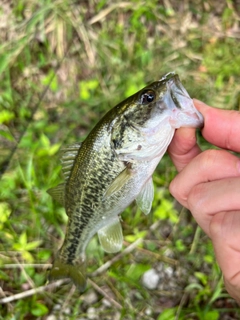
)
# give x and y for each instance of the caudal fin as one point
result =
(77, 273)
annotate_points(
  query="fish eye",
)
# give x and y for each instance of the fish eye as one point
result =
(147, 97)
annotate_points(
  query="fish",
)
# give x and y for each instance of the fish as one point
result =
(113, 167)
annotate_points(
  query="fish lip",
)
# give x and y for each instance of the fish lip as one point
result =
(168, 76)
(176, 88)
(184, 107)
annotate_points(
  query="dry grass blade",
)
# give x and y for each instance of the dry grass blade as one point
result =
(102, 14)
(26, 276)
(27, 265)
(105, 295)
(31, 292)
(68, 298)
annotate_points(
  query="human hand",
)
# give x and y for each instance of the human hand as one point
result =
(208, 184)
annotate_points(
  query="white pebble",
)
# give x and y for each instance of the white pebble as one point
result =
(91, 297)
(150, 279)
(51, 317)
(106, 303)
(148, 312)
(169, 271)
(67, 311)
(91, 312)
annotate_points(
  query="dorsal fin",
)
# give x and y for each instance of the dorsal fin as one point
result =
(58, 193)
(68, 157)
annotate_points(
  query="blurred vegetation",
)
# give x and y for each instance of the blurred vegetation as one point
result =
(63, 64)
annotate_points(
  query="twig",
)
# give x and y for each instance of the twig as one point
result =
(68, 298)
(31, 292)
(160, 257)
(106, 296)
(27, 265)
(195, 241)
(181, 304)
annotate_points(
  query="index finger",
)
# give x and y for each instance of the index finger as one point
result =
(183, 147)
(221, 127)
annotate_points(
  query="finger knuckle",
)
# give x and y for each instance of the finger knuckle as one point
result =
(216, 225)
(208, 159)
(175, 189)
(196, 200)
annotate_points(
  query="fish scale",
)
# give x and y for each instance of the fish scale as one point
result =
(114, 166)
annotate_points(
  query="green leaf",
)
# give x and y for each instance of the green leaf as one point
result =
(54, 149)
(137, 270)
(4, 62)
(45, 141)
(33, 245)
(5, 212)
(51, 81)
(212, 315)
(208, 258)
(86, 88)
(165, 210)
(167, 314)
(23, 239)
(39, 309)
(6, 116)
(202, 277)
(7, 135)
(138, 235)
(180, 245)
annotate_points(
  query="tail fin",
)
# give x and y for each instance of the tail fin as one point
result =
(77, 273)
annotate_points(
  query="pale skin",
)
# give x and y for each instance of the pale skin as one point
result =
(208, 184)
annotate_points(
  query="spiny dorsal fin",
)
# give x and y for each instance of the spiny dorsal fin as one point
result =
(111, 237)
(58, 193)
(69, 154)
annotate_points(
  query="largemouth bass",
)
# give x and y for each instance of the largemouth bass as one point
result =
(114, 166)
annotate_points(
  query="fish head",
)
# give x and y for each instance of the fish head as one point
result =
(163, 101)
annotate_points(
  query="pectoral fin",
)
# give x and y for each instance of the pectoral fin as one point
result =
(110, 237)
(58, 193)
(145, 198)
(118, 183)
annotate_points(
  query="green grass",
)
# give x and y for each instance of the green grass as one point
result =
(63, 64)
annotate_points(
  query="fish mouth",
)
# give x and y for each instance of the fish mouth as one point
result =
(184, 112)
